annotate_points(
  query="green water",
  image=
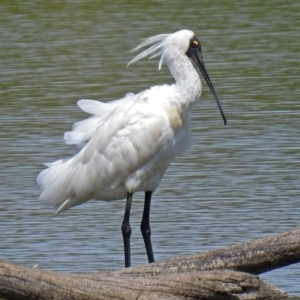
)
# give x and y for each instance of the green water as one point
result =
(237, 183)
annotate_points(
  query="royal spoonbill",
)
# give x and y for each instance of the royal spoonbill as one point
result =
(128, 144)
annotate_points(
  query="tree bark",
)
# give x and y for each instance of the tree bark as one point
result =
(255, 257)
(203, 275)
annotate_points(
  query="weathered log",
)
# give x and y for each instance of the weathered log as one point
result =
(254, 257)
(20, 282)
(178, 278)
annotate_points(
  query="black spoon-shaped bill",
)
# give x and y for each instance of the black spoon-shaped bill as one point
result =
(194, 52)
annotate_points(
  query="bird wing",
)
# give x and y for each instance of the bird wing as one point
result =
(126, 135)
(83, 131)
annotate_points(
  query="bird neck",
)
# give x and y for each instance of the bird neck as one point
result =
(186, 77)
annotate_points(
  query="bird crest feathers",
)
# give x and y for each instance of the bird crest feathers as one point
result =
(161, 44)
(157, 49)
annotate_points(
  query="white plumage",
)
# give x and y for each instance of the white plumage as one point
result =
(127, 144)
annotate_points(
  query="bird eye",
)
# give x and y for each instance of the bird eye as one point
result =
(194, 44)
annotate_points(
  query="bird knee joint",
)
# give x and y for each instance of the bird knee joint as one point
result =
(126, 229)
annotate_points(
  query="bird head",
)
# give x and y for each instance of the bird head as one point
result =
(184, 41)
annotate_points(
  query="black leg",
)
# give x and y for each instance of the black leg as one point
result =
(145, 227)
(126, 230)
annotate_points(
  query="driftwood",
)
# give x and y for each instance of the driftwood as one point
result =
(225, 273)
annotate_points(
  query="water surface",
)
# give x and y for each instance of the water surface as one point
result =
(237, 183)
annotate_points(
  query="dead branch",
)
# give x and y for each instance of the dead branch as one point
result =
(210, 275)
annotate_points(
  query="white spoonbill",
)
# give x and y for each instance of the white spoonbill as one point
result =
(128, 144)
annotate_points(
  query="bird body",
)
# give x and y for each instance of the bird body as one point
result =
(131, 143)
(128, 144)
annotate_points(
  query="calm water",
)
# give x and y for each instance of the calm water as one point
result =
(237, 183)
